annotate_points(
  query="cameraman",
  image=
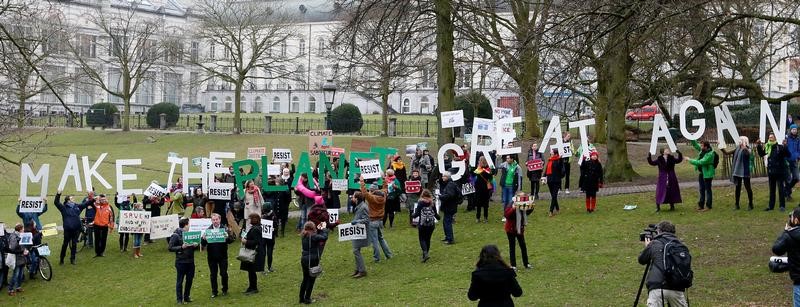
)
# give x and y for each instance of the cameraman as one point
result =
(660, 291)
(789, 243)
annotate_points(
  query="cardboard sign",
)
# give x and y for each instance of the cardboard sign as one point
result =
(31, 204)
(467, 189)
(452, 119)
(411, 150)
(535, 164)
(566, 150)
(134, 222)
(467, 138)
(273, 170)
(26, 238)
(333, 216)
(281, 155)
(197, 161)
(48, 230)
(199, 224)
(255, 153)
(220, 190)
(191, 237)
(2, 229)
(339, 184)
(172, 155)
(359, 145)
(337, 151)
(319, 140)
(155, 190)
(370, 169)
(216, 235)
(163, 226)
(422, 145)
(502, 113)
(266, 229)
(350, 232)
(413, 187)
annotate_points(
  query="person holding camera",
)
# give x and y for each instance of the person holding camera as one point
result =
(789, 243)
(661, 285)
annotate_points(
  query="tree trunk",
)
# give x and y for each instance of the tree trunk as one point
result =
(385, 106)
(600, 110)
(446, 73)
(21, 111)
(126, 101)
(617, 64)
(237, 107)
(528, 85)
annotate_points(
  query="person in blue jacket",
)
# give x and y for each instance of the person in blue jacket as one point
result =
(793, 144)
(71, 220)
(27, 217)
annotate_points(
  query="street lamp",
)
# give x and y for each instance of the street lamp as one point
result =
(328, 91)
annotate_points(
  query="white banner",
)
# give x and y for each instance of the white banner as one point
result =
(199, 224)
(339, 184)
(467, 189)
(155, 190)
(333, 216)
(281, 155)
(134, 222)
(31, 204)
(163, 226)
(452, 119)
(220, 190)
(370, 169)
(255, 153)
(502, 113)
(273, 170)
(267, 229)
(350, 232)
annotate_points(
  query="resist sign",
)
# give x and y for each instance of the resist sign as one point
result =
(370, 169)
(31, 204)
(350, 232)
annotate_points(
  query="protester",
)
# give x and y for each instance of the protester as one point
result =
(199, 212)
(305, 201)
(583, 154)
(426, 212)
(267, 245)
(534, 173)
(330, 195)
(311, 238)
(394, 190)
(125, 205)
(28, 217)
(200, 199)
(137, 237)
(704, 164)
(424, 165)
(510, 179)
(742, 168)
(21, 254)
(776, 155)
(376, 204)
(361, 216)
(152, 204)
(71, 221)
(33, 257)
(484, 187)
(567, 159)
(411, 200)
(284, 199)
(399, 169)
(789, 243)
(252, 199)
(251, 241)
(793, 145)
(553, 173)
(218, 255)
(516, 220)
(184, 262)
(592, 181)
(668, 190)
(659, 287)
(103, 222)
(450, 193)
(88, 203)
(493, 281)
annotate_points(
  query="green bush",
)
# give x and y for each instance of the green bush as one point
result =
(467, 102)
(101, 115)
(346, 118)
(171, 109)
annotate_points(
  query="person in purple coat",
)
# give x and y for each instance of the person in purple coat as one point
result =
(667, 189)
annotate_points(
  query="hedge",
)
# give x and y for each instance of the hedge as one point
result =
(346, 118)
(153, 115)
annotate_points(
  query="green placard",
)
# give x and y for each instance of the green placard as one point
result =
(216, 235)
(191, 237)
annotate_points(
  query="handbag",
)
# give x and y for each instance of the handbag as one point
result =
(246, 255)
(11, 261)
(314, 271)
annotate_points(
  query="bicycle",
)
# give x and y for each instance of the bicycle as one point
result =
(45, 270)
(83, 236)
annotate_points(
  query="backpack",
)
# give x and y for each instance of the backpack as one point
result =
(677, 265)
(459, 196)
(716, 159)
(426, 216)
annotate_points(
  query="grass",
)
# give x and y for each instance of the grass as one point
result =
(579, 259)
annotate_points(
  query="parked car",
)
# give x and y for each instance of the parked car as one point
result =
(643, 113)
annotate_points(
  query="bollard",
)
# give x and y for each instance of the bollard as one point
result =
(267, 124)
(162, 121)
(213, 126)
(427, 125)
(297, 125)
(392, 127)
(116, 118)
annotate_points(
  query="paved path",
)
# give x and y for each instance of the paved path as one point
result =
(632, 189)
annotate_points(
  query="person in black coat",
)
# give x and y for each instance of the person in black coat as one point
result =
(251, 241)
(553, 173)
(312, 239)
(592, 181)
(789, 244)
(218, 255)
(776, 155)
(493, 281)
(448, 195)
(184, 262)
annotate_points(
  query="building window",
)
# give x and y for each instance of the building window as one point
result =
(145, 94)
(243, 103)
(320, 46)
(424, 105)
(283, 49)
(114, 85)
(312, 104)
(86, 45)
(406, 106)
(295, 104)
(228, 104)
(302, 49)
(211, 51)
(56, 44)
(258, 107)
(84, 94)
(194, 78)
(276, 104)
(172, 88)
(173, 52)
(194, 51)
(213, 103)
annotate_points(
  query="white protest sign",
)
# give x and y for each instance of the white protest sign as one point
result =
(134, 222)
(452, 119)
(89, 172)
(482, 128)
(779, 127)
(155, 190)
(255, 153)
(724, 122)
(213, 166)
(199, 224)
(460, 165)
(370, 169)
(121, 177)
(163, 226)
(467, 188)
(501, 113)
(553, 132)
(660, 130)
(281, 155)
(350, 232)
(220, 190)
(581, 125)
(197, 161)
(71, 170)
(172, 155)
(697, 122)
(267, 229)
(339, 184)
(2, 229)
(333, 216)
(31, 204)
(507, 134)
(26, 238)
(41, 177)
(273, 170)
(566, 149)
(172, 162)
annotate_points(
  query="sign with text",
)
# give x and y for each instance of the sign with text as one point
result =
(467, 188)
(220, 190)
(339, 184)
(197, 161)
(333, 216)
(281, 155)
(31, 205)
(413, 187)
(350, 232)
(134, 221)
(155, 190)
(319, 140)
(535, 164)
(255, 153)
(216, 235)
(163, 226)
(566, 151)
(370, 169)
(337, 151)
(191, 237)
(26, 238)
(267, 229)
(199, 224)
(452, 119)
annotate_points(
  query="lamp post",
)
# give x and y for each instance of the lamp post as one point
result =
(329, 92)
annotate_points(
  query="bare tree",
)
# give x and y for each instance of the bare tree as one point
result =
(241, 36)
(443, 11)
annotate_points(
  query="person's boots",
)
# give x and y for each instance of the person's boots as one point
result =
(588, 204)
(594, 203)
(425, 256)
(136, 252)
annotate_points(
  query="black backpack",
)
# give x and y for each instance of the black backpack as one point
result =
(716, 159)
(427, 217)
(677, 265)
(459, 195)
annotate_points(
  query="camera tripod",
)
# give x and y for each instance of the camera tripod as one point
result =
(641, 284)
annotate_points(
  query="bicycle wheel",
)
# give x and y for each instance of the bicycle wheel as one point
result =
(45, 270)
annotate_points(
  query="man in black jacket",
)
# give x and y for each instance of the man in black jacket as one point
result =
(218, 255)
(789, 243)
(659, 290)
(184, 261)
(449, 193)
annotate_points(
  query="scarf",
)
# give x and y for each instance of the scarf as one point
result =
(398, 165)
(522, 219)
(550, 164)
(768, 146)
(253, 189)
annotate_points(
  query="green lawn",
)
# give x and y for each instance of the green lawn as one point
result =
(579, 259)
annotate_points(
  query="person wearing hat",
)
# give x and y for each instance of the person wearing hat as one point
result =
(376, 205)
(448, 195)
(793, 144)
(592, 180)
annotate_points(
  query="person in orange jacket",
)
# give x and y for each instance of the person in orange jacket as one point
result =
(103, 222)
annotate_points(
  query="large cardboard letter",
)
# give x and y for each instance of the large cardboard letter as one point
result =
(553, 132)
(482, 128)
(187, 175)
(121, 177)
(778, 128)
(505, 132)
(581, 125)
(88, 172)
(41, 177)
(698, 122)
(461, 165)
(660, 130)
(172, 162)
(71, 170)
(355, 170)
(384, 153)
(725, 122)
(214, 166)
(241, 179)
(304, 167)
(265, 186)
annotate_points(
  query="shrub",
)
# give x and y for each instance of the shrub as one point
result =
(172, 111)
(101, 115)
(346, 118)
(467, 102)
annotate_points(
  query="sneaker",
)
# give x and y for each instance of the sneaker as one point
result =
(503, 220)
(271, 270)
(213, 296)
(514, 268)
(360, 274)
(187, 300)
(486, 221)
(566, 191)
(529, 266)
(477, 220)
(768, 209)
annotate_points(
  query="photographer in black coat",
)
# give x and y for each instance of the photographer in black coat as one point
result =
(659, 289)
(789, 243)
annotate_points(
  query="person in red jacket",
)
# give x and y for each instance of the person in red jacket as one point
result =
(516, 218)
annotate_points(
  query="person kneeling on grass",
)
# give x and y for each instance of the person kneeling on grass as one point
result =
(493, 281)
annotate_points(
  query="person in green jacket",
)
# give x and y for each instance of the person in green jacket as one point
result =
(704, 164)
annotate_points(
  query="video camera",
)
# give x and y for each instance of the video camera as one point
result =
(648, 233)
